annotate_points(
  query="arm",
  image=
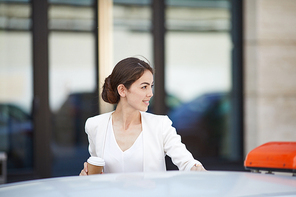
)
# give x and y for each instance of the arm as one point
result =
(84, 171)
(90, 136)
(174, 148)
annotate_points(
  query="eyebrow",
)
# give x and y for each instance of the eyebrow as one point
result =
(146, 83)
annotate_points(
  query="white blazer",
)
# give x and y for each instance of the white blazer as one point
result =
(159, 139)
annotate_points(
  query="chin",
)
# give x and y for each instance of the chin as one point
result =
(144, 109)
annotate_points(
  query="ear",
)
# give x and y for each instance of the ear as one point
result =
(121, 90)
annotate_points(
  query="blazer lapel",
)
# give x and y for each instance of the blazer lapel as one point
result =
(145, 143)
(153, 154)
(101, 134)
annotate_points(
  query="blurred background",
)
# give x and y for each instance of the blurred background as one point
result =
(225, 75)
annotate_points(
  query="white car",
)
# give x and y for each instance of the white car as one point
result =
(170, 183)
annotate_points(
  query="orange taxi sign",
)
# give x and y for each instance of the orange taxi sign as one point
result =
(273, 156)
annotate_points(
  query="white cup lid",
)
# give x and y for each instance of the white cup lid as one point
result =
(97, 161)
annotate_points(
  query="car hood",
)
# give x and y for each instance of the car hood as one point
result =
(170, 183)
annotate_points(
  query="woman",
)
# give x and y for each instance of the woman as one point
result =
(129, 139)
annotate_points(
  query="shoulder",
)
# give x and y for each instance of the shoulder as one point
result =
(96, 120)
(155, 118)
(152, 116)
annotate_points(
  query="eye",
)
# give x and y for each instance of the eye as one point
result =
(144, 87)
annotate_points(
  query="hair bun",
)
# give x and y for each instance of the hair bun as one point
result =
(109, 94)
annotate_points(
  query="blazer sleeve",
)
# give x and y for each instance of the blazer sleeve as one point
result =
(175, 149)
(90, 131)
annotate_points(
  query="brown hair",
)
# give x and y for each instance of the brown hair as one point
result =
(125, 72)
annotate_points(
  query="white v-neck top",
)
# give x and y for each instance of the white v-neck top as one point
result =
(116, 160)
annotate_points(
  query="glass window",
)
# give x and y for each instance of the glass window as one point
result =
(16, 93)
(198, 75)
(72, 81)
(132, 30)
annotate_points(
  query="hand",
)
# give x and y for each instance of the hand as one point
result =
(198, 167)
(84, 171)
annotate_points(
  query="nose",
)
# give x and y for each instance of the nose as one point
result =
(150, 93)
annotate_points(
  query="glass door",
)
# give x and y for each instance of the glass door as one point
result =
(72, 82)
(16, 92)
(198, 78)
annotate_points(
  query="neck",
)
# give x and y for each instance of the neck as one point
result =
(126, 117)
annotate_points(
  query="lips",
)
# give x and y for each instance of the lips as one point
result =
(146, 102)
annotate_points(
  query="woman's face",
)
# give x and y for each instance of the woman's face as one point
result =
(140, 92)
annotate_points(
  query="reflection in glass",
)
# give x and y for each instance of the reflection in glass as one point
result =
(198, 75)
(15, 15)
(72, 83)
(16, 127)
(72, 97)
(132, 30)
(67, 17)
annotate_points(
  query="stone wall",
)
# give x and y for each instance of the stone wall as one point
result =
(269, 71)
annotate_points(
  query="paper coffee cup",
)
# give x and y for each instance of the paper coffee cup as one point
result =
(95, 165)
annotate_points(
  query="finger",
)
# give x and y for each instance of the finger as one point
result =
(85, 167)
(200, 168)
(83, 173)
